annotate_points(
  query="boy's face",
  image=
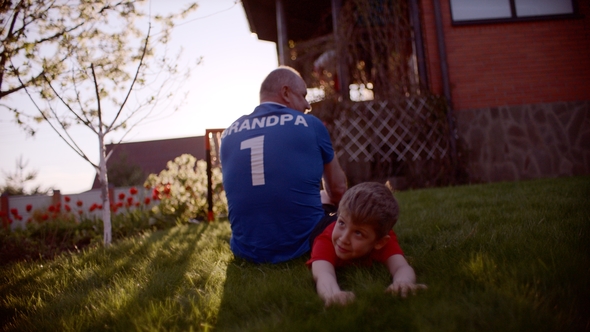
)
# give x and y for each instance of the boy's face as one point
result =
(353, 241)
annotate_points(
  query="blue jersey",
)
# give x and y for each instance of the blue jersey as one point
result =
(272, 164)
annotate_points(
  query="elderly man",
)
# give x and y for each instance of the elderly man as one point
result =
(273, 163)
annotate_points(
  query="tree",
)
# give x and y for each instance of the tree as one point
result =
(14, 183)
(36, 39)
(110, 78)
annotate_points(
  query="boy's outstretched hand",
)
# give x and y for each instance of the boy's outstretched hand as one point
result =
(327, 286)
(404, 278)
(403, 288)
(339, 298)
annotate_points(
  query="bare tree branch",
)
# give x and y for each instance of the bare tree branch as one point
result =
(57, 94)
(100, 124)
(75, 148)
(134, 78)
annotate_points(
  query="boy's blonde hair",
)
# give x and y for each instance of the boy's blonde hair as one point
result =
(371, 203)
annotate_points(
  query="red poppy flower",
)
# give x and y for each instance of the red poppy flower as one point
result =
(129, 200)
(122, 196)
(68, 208)
(79, 203)
(136, 204)
(133, 191)
(14, 212)
(99, 206)
(51, 208)
(147, 201)
(80, 212)
(67, 199)
(45, 216)
(29, 207)
(155, 194)
(19, 218)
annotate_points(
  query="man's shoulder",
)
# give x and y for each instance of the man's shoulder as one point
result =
(272, 117)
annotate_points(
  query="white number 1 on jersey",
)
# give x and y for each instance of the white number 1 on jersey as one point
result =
(256, 146)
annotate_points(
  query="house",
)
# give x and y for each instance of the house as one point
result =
(515, 74)
(152, 156)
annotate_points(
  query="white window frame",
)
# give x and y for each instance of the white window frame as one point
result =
(508, 11)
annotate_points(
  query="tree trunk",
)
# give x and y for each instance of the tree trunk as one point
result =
(104, 186)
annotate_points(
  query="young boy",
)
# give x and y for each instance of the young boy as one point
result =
(361, 234)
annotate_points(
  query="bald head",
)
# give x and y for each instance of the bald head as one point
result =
(282, 76)
(284, 85)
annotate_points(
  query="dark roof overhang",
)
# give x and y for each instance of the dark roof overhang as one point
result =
(306, 19)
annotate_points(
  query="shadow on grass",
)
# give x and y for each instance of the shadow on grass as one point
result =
(99, 289)
(498, 257)
(501, 257)
(282, 297)
(167, 269)
(258, 297)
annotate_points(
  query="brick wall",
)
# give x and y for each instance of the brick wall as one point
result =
(511, 63)
(520, 93)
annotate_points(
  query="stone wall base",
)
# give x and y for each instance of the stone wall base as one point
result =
(527, 141)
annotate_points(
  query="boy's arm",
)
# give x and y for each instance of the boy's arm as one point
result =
(327, 287)
(404, 278)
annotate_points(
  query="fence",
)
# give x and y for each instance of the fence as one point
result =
(212, 146)
(16, 211)
(379, 139)
(374, 140)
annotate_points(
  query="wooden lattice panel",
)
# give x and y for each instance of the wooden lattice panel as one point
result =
(409, 129)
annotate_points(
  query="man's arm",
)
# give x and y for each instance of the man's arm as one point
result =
(404, 278)
(327, 287)
(334, 180)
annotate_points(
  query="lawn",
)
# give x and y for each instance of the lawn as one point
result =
(496, 257)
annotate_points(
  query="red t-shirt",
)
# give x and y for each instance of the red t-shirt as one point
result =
(323, 249)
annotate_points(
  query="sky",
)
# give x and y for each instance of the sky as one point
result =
(223, 87)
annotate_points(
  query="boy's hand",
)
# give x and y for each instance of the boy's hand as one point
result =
(403, 288)
(404, 278)
(340, 298)
(327, 286)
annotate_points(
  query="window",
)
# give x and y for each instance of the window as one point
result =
(475, 11)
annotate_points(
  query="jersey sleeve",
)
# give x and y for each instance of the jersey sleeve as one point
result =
(324, 141)
(322, 249)
(391, 248)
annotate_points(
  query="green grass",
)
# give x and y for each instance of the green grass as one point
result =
(496, 257)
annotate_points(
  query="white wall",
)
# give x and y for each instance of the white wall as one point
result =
(42, 203)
